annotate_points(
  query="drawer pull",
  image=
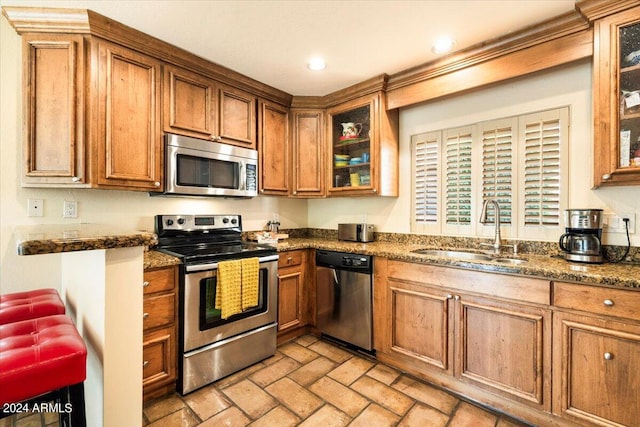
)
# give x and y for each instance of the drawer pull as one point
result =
(449, 296)
(145, 315)
(457, 298)
(145, 363)
(608, 356)
(608, 303)
(145, 284)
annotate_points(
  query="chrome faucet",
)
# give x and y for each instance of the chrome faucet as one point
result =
(497, 242)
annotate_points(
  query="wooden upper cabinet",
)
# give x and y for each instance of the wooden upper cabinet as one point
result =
(189, 103)
(362, 161)
(236, 117)
(54, 78)
(616, 95)
(128, 136)
(198, 106)
(307, 144)
(274, 149)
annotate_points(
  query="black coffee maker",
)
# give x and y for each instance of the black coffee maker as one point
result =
(582, 241)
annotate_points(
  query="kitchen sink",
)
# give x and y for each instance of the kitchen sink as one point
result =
(474, 256)
(514, 261)
(453, 254)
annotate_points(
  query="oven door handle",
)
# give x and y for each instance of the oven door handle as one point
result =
(214, 265)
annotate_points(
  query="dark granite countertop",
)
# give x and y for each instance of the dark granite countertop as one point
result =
(542, 266)
(56, 238)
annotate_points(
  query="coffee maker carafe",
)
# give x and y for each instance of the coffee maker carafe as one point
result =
(583, 233)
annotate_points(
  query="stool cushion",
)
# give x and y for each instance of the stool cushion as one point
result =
(38, 356)
(19, 306)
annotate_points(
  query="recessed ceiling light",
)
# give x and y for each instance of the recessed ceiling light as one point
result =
(443, 44)
(316, 64)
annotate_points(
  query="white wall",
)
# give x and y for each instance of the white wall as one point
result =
(568, 85)
(124, 209)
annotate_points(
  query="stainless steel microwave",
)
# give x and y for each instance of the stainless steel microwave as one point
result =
(197, 167)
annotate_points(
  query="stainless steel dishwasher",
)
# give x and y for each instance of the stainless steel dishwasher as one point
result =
(345, 297)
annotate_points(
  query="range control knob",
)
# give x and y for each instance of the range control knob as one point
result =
(169, 222)
(181, 221)
(225, 220)
(234, 220)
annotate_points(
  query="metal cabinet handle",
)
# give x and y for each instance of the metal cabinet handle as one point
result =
(449, 296)
(156, 184)
(608, 356)
(145, 363)
(608, 303)
(145, 284)
(606, 176)
(289, 260)
(75, 179)
(145, 315)
(457, 298)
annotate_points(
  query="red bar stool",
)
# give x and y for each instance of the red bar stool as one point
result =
(43, 360)
(19, 306)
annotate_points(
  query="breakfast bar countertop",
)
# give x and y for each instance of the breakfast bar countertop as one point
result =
(56, 238)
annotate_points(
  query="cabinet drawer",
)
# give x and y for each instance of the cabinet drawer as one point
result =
(157, 354)
(159, 310)
(159, 280)
(288, 259)
(596, 299)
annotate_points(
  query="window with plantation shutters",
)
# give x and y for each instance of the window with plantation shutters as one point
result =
(457, 184)
(425, 152)
(543, 135)
(519, 161)
(497, 141)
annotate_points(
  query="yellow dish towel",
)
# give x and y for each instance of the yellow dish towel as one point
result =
(229, 288)
(250, 282)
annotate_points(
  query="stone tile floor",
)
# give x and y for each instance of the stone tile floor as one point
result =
(310, 382)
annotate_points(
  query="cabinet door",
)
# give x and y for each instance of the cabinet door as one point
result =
(419, 324)
(274, 149)
(362, 137)
(308, 165)
(236, 117)
(598, 370)
(129, 138)
(505, 347)
(289, 299)
(159, 358)
(189, 105)
(616, 93)
(54, 109)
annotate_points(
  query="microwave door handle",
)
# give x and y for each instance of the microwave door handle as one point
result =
(243, 177)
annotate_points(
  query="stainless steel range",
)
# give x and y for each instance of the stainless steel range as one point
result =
(210, 346)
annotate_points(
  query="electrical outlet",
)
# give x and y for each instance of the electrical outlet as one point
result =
(614, 223)
(35, 207)
(70, 209)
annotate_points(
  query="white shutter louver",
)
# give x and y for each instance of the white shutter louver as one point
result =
(458, 177)
(425, 153)
(542, 172)
(497, 170)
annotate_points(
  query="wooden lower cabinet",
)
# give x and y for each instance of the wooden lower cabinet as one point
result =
(159, 366)
(294, 293)
(486, 336)
(596, 354)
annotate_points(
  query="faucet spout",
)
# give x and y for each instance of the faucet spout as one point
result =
(497, 242)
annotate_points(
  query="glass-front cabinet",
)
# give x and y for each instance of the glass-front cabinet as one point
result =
(617, 99)
(363, 148)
